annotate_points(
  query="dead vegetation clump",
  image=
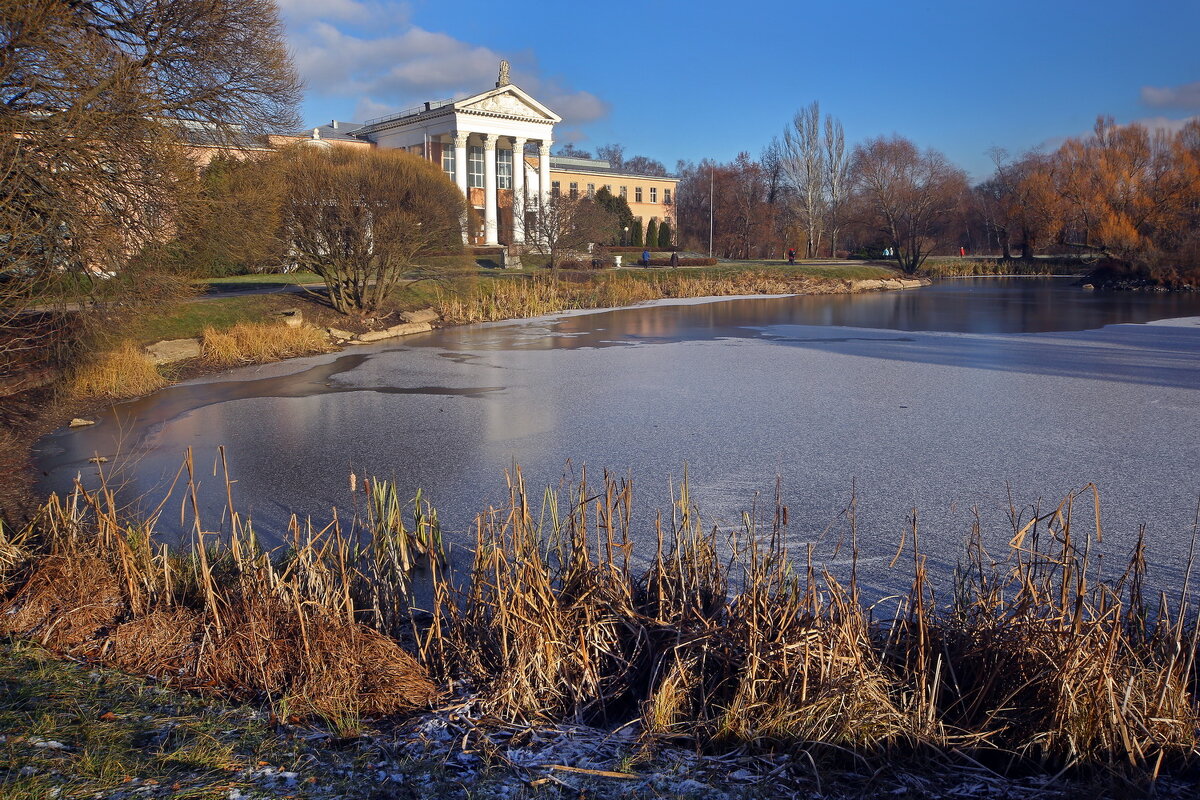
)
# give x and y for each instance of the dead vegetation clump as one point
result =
(258, 343)
(724, 639)
(66, 602)
(227, 617)
(539, 294)
(123, 371)
(163, 643)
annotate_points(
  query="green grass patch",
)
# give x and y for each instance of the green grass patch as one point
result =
(263, 279)
(70, 731)
(189, 319)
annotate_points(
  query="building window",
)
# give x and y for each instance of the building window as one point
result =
(574, 190)
(448, 160)
(591, 189)
(504, 168)
(475, 167)
(554, 188)
(653, 194)
(667, 196)
(608, 188)
(637, 194)
(624, 191)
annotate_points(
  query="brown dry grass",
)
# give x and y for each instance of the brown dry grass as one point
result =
(67, 601)
(258, 343)
(124, 371)
(540, 294)
(226, 618)
(724, 639)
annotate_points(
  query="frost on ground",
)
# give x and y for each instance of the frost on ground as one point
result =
(70, 732)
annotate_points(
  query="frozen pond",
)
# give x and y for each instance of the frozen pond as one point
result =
(946, 399)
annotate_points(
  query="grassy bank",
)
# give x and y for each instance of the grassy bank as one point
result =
(949, 266)
(517, 296)
(725, 640)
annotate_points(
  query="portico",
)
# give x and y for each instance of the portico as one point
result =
(481, 142)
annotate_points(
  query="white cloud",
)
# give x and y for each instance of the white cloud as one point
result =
(406, 64)
(1164, 124)
(1186, 97)
(370, 109)
(305, 10)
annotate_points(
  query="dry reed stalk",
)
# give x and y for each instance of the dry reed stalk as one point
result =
(124, 371)
(259, 342)
(1045, 659)
(547, 621)
(230, 618)
(67, 602)
(721, 639)
(548, 293)
(15, 552)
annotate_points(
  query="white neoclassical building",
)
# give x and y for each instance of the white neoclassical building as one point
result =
(481, 143)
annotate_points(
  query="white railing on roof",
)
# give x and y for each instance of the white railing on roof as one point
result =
(408, 112)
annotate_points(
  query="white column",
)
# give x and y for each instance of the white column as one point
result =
(489, 189)
(460, 178)
(544, 169)
(460, 161)
(518, 190)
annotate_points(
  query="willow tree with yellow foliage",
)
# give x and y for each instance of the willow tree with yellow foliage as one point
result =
(1131, 196)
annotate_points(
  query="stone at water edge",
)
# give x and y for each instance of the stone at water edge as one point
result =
(338, 333)
(80, 423)
(396, 330)
(421, 315)
(171, 350)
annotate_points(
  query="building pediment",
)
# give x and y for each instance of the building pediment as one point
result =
(509, 102)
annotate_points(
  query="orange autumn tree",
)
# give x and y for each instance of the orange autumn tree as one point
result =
(1130, 195)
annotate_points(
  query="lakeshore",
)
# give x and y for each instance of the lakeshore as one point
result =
(825, 615)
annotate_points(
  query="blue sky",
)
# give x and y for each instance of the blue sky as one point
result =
(688, 80)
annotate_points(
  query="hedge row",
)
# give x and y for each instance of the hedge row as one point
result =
(683, 262)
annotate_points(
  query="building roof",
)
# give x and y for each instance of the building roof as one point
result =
(207, 134)
(334, 129)
(599, 167)
(506, 101)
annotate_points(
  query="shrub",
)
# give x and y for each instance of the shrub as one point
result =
(635, 233)
(122, 372)
(684, 262)
(258, 342)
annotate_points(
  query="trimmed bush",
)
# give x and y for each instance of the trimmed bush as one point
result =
(684, 262)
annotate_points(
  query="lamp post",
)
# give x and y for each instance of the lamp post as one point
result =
(625, 236)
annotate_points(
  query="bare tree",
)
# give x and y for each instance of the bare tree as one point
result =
(96, 99)
(909, 197)
(642, 165)
(614, 154)
(803, 161)
(569, 150)
(836, 166)
(565, 224)
(361, 219)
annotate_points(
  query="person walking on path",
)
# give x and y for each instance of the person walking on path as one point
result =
(674, 259)
(645, 258)
(792, 256)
